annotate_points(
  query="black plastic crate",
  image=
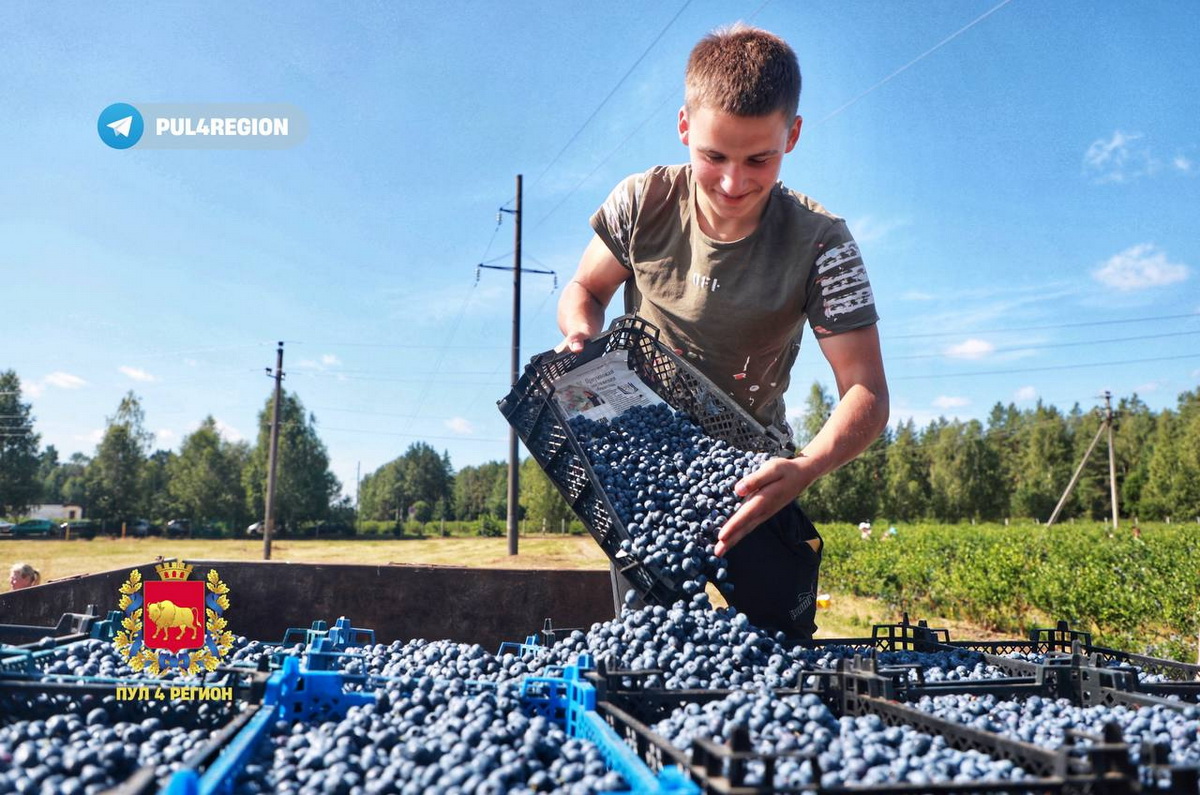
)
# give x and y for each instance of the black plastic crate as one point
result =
(542, 425)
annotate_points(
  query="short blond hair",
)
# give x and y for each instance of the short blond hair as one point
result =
(744, 71)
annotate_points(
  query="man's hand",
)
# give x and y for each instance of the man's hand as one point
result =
(766, 491)
(572, 342)
(858, 419)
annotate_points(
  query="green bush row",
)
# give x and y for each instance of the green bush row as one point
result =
(1137, 594)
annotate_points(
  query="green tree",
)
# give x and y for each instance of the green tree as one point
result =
(481, 489)
(206, 476)
(906, 478)
(157, 502)
(304, 485)
(1044, 465)
(66, 483)
(1134, 441)
(963, 470)
(20, 486)
(542, 503)
(114, 473)
(1173, 488)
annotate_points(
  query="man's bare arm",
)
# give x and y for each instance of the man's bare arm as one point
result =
(586, 296)
(860, 416)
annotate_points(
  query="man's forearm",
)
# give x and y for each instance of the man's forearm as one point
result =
(579, 311)
(856, 422)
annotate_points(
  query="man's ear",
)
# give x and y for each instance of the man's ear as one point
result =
(683, 125)
(794, 134)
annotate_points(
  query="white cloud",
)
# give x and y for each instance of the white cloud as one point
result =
(1025, 394)
(915, 295)
(950, 402)
(227, 431)
(64, 380)
(136, 374)
(870, 229)
(1118, 159)
(460, 425)
(95, 436)
(1149, 386)
(191, 362)
(34, 389)
(971, 349)
(1184, 164)
(164, 434)
(329, 360)
(1140, 267)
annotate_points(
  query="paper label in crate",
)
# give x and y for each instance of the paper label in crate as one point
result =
(603, 388)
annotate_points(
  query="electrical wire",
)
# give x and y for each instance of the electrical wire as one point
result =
(915, 61)
(1023, 329)
(610, 94)
(1014, 348)
(1044, 369)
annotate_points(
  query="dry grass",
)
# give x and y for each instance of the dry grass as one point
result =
(847, 615)
(57, 559)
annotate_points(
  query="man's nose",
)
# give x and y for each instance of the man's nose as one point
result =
(732, 180)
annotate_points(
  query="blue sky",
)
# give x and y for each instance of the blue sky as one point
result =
(1025, 195)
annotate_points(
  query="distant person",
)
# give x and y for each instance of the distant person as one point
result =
(22, 575)
(864, 529)
(1137, 533)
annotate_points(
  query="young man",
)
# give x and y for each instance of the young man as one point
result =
(728, 264)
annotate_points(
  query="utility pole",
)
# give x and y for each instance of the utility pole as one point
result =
(1106, 424)
(513, 460)
(514, 471)
(273, 456)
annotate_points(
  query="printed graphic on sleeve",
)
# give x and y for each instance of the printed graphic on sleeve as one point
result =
(843, 280)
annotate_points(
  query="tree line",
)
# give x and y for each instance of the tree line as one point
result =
(210, 479)
(1015, 465)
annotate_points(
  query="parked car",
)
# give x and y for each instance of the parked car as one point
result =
(34, 527)
(256, 529)
(6, 528)
(79, 528)
(179, 528)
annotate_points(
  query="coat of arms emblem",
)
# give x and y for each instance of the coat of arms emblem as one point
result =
(174, 623)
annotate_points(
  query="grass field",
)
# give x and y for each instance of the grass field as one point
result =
(847, 616)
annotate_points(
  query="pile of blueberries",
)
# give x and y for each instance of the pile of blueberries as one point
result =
(84, 744)
(671, 486)
(799, 729)
(1045, 721)
(429, 736)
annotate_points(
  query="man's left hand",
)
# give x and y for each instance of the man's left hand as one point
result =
(766, 491)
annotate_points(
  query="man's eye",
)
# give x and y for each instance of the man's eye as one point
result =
(715, 158)
(758, 161)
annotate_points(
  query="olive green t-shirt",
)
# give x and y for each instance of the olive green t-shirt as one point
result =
(735, 309)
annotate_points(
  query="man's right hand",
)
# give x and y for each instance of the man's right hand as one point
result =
(572, 342)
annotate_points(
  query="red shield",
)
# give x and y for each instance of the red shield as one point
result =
(173, 615)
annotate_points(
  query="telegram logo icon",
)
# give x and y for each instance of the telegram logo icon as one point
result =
(120, 125)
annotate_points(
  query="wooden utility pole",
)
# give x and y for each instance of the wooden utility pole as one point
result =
(514, 469)
(513, 451)
(1106, 424)
(273, 455)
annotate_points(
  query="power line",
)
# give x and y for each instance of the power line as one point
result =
(1023, 329)
(1055, 345)
(917, 60)
(604, 101)
(1043, 369)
